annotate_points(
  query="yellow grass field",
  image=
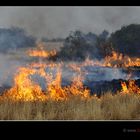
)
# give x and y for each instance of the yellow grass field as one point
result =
(108, 107)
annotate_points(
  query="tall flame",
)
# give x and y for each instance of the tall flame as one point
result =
(77, 87)
(24, 89)
(131, 88)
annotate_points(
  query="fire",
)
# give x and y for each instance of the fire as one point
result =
(115, 60)
(118, 60)
(40, 52)
(24, 89)
(131, 88)
(124, 87)
(77, 88)
(56, 92)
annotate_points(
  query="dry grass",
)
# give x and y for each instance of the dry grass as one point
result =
(108, 107)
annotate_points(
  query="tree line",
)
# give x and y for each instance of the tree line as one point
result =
(79, 46)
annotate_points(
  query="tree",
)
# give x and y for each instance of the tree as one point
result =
(127, 40)
(79, 46)
(75, 47)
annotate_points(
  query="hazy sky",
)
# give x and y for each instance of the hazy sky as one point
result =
(58, 21)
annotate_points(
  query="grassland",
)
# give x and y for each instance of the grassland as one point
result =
(108, 107)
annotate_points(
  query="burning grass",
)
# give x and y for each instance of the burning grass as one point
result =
(115, 60)
(130, 88)
(41, 52)
(27, 101)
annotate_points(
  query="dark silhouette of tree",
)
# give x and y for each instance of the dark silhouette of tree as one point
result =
(75, 47)
(127, 40)
(79, 46)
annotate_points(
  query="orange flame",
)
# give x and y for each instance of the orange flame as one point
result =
(118, 60)
(40, 52)
(115, 60)
(24, 89)
(77, 87)
(131, 88)
(56, 92)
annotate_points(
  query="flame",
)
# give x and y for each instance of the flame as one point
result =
(24, 89)
(40, 52)
(118, 60)
(124, 87)
(131, 88)
(77, 88)
(56, 92)
(115, 60)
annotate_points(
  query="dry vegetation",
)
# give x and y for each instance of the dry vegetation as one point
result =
(27, 101)
(108, 107)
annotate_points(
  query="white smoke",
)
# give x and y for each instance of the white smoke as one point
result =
(8, 69)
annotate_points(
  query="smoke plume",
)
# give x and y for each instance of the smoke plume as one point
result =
(58, 21)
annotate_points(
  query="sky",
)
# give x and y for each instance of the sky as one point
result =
(58, 21)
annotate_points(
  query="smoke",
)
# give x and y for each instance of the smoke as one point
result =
(13, 38)
(59, 21)
(8, 69)
(10, 59)
(54, 22)
(90, 74)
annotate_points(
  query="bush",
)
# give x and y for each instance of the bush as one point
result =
(79, 46)
(127, 40)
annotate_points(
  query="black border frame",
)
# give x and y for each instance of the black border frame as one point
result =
(87, 129)
(71, 3)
